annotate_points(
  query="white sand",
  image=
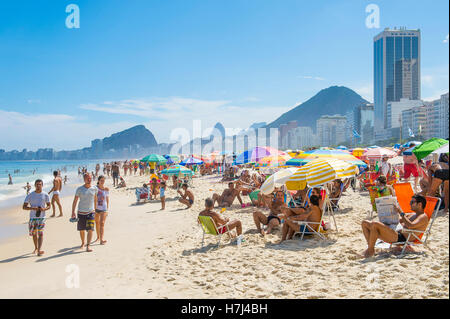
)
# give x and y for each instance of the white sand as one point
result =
(157, 254)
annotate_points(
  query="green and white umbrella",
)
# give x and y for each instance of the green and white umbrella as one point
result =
(154, 158)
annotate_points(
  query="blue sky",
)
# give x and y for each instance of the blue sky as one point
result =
(165, 63)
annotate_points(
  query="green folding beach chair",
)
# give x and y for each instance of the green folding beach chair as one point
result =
(209, 228)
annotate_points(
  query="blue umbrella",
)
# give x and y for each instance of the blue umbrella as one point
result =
(243, 158)
(191, 161)
(407, 144)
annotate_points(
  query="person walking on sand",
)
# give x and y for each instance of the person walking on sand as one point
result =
(38, 202)
(187, 198)
(10, 179)
(102, 209)
(115, 173)
(27, 188)
(87, 197)
(56, 189)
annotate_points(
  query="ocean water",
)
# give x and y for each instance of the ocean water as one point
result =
(28, 171)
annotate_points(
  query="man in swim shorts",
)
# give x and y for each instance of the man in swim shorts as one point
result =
(37, 203)
(272, 220)
(187, 198)
(227, 197)
(56, 189)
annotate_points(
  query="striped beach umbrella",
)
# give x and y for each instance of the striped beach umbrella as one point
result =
(177, 170)
(309, 156)
(319, 172)
(277, 179)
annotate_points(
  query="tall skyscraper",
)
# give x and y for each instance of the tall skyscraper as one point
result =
(396, 72)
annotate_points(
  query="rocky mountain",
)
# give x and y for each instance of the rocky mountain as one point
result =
(218, 130)
(330, 101)
(135, 135)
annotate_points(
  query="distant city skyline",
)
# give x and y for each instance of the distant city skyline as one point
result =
(164, 64)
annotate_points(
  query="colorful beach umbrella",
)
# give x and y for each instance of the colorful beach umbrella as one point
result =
(177, 170)
(191, 161)
(427, 147)
(274, 161)
(378, 153)
(256, 154)
(319, 172)
(309, 156)
(154, 158)
(277, 179)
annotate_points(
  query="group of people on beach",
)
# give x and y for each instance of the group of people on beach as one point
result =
(89, 209)
(294, 214)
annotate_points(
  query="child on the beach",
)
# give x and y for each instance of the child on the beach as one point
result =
(162, 190)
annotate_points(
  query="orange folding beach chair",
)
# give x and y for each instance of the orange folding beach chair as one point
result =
(404, 193)
(415, 236)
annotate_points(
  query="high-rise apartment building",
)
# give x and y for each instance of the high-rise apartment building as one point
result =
(330, 130)
(396, 72)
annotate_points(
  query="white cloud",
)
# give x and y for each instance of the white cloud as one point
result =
(162, 115)
(309, 77)
(58, 131)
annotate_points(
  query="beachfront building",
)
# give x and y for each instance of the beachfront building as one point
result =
(330, 130)
(299, 138)
(396, 73)
(414, 121)
(394, 112)
(284, 129)
(443, 116)
(363, 122)
(437, 118)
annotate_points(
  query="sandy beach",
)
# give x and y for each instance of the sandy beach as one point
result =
(157, 254)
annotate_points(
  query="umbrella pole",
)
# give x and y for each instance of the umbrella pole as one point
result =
(330, 209)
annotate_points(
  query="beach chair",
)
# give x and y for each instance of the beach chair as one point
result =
(415, 236)
(312, 227)
(404, 193)
(209, 228)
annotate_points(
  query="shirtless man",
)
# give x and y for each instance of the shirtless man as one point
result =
(418, 220)
(272, 220)
(227, 197)
(187, 198)
(209, 205)
(56, 189)
(312, 214)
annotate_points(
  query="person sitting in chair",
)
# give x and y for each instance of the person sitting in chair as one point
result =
(219, 221)
(373, 230)
(312, 214)
(272, 220)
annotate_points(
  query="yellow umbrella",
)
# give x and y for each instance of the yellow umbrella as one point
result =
(274, 161)
(319, 172)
